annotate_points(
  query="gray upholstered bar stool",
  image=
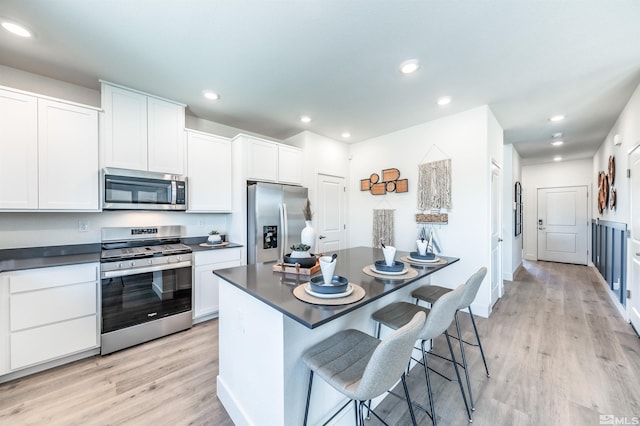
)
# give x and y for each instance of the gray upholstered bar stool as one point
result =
(439, 318)
(362, 367)
(432, 293)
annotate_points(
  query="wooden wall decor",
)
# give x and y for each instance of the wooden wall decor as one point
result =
(606, 191)
(390, 182)
(441, 218)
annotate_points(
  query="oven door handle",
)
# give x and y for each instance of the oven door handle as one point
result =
(125, 272)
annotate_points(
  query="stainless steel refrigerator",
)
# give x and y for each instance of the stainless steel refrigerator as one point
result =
(274, 220)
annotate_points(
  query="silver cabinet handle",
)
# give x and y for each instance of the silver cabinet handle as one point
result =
(321, 237)
(637, 254)
(499, 240)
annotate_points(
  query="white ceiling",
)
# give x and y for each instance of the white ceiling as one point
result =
(337, 61)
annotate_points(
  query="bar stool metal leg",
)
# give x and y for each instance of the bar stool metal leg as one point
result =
(473, 321)
(306, 408)
(455, 367)
(426, 375)
(464, 363)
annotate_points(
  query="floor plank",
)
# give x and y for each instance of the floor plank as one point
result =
(558, 353)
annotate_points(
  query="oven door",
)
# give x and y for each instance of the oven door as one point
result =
(131, 297)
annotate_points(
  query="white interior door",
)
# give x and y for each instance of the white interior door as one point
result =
(563, 224)
(330, 213)
(496, 237)
(633, 284)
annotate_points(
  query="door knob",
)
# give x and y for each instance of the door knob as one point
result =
(321, 237)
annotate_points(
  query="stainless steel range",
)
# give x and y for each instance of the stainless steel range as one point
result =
(146, 285)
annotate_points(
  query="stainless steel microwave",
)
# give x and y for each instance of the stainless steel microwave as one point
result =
(125, 189)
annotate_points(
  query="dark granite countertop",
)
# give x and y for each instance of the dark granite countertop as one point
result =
(44, 257)
(276, 288)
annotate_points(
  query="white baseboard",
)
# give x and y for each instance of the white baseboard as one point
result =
(234, 409)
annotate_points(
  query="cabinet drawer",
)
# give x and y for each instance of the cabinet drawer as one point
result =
(216, 256)
(50, 305)
(52, 341)
(36, 279)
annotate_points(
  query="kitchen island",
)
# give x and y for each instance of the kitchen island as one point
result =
(264, 329)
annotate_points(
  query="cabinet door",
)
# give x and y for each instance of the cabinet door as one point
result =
(209, 171)
(18, 151)
(262, 160)
(68, 157)
(289, 164)
(166, 136)
(125, 132)
(206, 300)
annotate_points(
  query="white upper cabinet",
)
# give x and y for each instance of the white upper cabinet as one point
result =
(18, 151)
(273, 162)
(68, 177)
(262, 160)
(289, 164)
(142, 132)
(209, 170)
(165, 148)
(48, 154)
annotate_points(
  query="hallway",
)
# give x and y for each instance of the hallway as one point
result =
(558, 352)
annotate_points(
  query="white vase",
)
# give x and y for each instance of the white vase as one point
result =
(308, 236)
(214, 239)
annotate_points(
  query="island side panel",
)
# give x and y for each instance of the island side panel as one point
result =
(250, 379)
(297, 338)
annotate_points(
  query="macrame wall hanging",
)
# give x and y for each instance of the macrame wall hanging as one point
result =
(434, 190)
(382, 227)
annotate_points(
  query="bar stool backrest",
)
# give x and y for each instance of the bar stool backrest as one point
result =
(441, 314)
(471, 288)
(388, 361)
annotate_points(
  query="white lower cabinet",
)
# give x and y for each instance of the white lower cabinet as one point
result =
(48, 313)
(205, 283)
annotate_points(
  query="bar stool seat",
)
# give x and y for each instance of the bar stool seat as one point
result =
(432, 293)
(362, 367)
(439, 318)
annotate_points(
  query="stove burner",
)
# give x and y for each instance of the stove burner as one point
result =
(125, 253)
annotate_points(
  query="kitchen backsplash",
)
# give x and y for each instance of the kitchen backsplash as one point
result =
(19, 230)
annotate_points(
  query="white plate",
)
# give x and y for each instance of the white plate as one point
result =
(373, 269)
(307, 288)
(434, 260)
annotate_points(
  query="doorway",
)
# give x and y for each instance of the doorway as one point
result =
(633, 285)
(330, 213)
(497, 285)
(563, 224)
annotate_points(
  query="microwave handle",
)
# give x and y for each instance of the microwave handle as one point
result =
(174, 192)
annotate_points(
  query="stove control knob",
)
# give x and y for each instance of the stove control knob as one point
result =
(150, 261)
(119, 265)
(179, 258)
(132, 263)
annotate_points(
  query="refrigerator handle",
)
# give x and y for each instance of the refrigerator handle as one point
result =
(285, 228)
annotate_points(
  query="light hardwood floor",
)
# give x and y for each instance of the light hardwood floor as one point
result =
(558, 352)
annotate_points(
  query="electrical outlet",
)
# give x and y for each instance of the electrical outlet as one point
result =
(201, 223)
(83, 225)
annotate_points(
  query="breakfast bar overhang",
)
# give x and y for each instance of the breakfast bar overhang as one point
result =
(264, 330)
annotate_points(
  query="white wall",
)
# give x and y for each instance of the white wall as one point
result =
(465, 139)
(628, 127)
(550, 175)
(511, 245)
(51, 229)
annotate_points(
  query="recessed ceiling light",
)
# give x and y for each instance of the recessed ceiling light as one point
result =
(407, 67)
(557, 143)
(16, 29)
(557, 135)
(445, 100)
(211, 95)
(305, 119)
(346, 135)
(558, 158)
(557, 118)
